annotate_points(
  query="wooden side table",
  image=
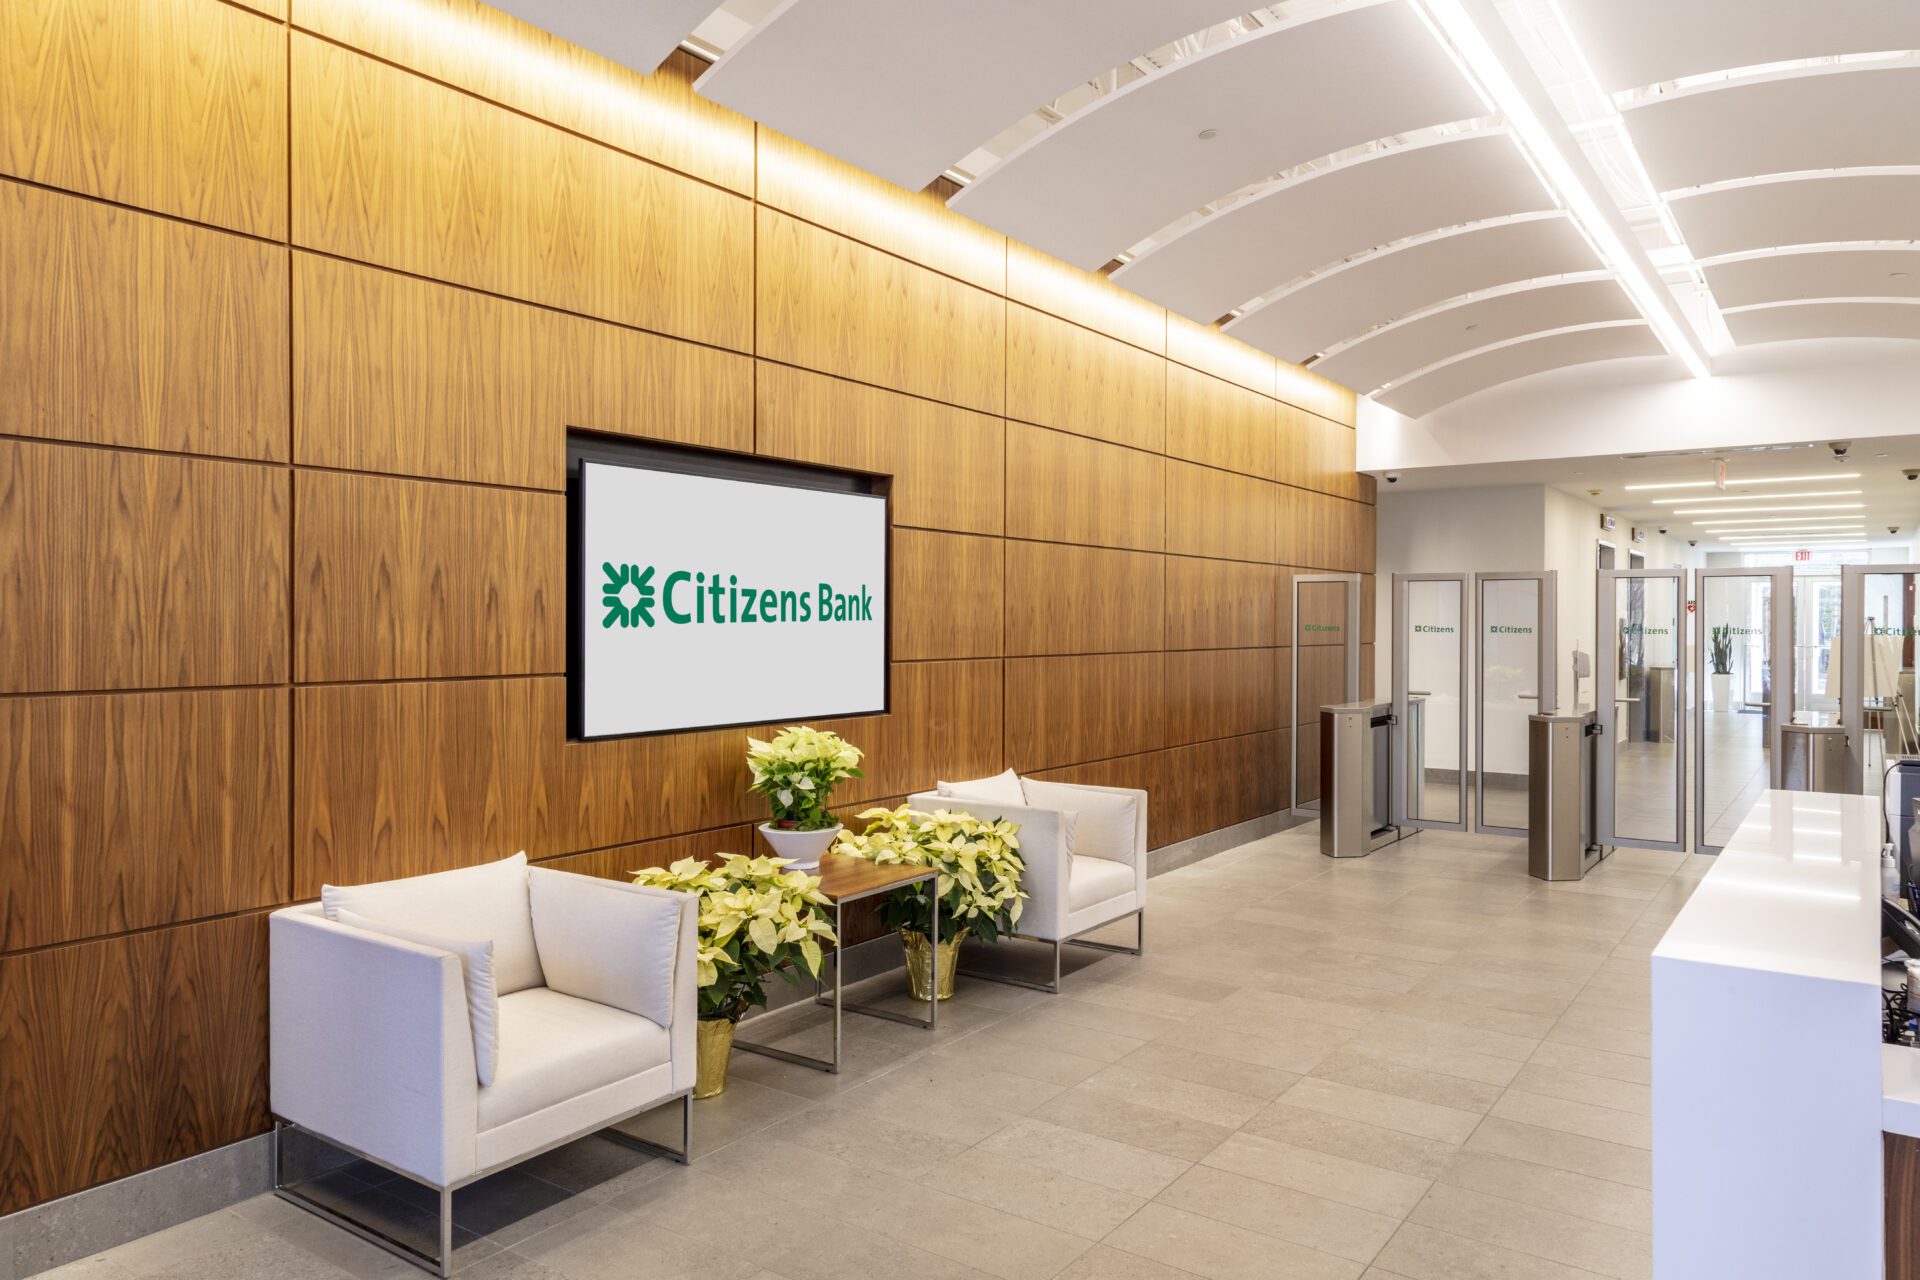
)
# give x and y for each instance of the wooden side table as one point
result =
(845, 879)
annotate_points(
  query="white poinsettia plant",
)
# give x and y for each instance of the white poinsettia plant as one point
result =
(798, 770)
(756, 918)
(978, 890)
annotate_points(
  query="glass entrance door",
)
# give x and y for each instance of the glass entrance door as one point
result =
(1429, 700)
(1514, 629)
(1326, 670)
(1640, 687)
(1741, 693)
(1878, 624)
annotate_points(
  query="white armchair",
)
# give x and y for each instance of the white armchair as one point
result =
(1086, 854)
(447, 1026)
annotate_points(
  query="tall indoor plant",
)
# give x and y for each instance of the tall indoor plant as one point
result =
(1722, 655)
(977, 893)
(757, 917)
(797, 772)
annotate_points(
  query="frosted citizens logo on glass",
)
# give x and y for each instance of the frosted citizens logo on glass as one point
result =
(1499, 630)
(1640, 629)
(1438, 630)
(1319, 626)
(1894, 631)
(686, 597)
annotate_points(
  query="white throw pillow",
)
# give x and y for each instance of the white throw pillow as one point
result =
(488, 901)
(1107, 824)
(607, 941)
(1001, 788)
(476, 963)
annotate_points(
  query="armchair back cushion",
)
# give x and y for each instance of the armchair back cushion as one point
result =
(606, 941)
(1106, 824)
(485, 902)
(1002, 788)
(476, 966)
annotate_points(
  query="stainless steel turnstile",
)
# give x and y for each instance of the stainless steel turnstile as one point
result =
(1560, 796)
(1815, 758)
(1356, 747)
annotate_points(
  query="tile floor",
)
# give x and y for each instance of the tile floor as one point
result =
(1420, 1065)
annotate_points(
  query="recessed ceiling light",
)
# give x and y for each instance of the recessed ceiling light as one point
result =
(1208, 135)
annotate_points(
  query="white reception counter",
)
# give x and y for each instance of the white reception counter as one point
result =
(1768, 1095)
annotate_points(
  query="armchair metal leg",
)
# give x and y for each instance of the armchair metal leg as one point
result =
(1138, 949)
(1006, 980)
(440, 1266)
(683, 1156)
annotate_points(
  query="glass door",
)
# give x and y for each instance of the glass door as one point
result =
(1877, 630)
(1741, 693)
(1429, 700)
(1816, 659)
(1514, 625)
(1640, 685)
(1326, 671)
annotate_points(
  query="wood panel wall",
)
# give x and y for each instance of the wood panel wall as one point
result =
(298, 299)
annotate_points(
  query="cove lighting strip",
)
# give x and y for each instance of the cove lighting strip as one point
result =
(1710, 484)
(1488, 73)
(1762, 497)
(1760, 511)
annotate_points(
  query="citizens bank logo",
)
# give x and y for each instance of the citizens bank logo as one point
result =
(685, 597)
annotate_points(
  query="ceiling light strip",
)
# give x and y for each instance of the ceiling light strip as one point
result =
(1758, 511)
(1708, 484)
(1761, 497)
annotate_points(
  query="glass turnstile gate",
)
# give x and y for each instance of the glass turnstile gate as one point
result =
(1515, 616)
(1430, 700)
(1640, 686)
(1743, 693)
(1326, 671)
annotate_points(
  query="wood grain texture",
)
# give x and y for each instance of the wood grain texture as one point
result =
(124, 811)
(127, 571)
(1067, 599)
(1322, 611)
(1221, 693)
(947, 464)
(1323, 681)
(1145, 772)
(124, 329)
(407, 579)
(178, 106)
(1220, 514)
(1306, 756)
(1222, 604)
(1089, 300)
(411, 377)
(1071, 710)
(1065, 488)
(837, 306)
(1900, 1165)
(498, 57)
(1221, 424)
(945, 589)
(1317, 453)
(621, 861)
(1203, 347)
(124, 1053)
(395, 170)
(1308, 390)
(1073, 379)
(1222, 783)
(945, 723)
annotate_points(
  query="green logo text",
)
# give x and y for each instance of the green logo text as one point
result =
(686, 597)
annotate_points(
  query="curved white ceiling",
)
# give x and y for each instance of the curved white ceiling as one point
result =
(639, 36)
(876, 81)
(1815, 210)
(1503, 364)
(1835, 273)
(1842, 119)
(1132, 162)
(1841, 318)
(1330, 214)
(1631, 43)
(1348, 301)
(1440, 335)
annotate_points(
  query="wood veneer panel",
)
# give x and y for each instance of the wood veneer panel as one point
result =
(838, 306)
(946, 589)
(831, 193)
(1068, 599)
(404, 579)
(1316, 453)
(130, 570)
(408, 376)
(947, 464)
(123, 811)
(1323, 681)
(121, 1054)
(1221, 693)
(496, 56)
(1224, 782)
(1222, 604)
(945, 723)
(1220, 513)
(1070, 710)
(1310, 391)
(1322, 618)
(1900, 1160)
(178, 106)
(1306, 757)
(1203, 347)
(124, 329)
(1145, 772)
(1065, 488)
(1060, 375)
(621, 861)
(1085, 298)
(401, 172)
(1220, 424)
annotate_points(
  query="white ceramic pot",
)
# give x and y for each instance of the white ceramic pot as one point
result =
(1723, 691)
(802, 847)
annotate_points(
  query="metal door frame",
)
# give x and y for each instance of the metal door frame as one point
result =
(1606, 658)
(1351, 639)
(1780, 708)
(1853, 657)
(1545, 696)
(1401, 698)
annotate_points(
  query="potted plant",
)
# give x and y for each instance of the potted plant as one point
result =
(1722, 653)
(977, 894)
(757, 918)
(796, 772)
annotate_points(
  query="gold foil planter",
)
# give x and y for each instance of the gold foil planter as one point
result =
(712, 1049)
(919, 963)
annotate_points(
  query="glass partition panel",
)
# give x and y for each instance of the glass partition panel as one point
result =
(1646, 689)
(1326, 666)
(1886, 674)
(1510, 622)
(1433, 635)
(1816, 663)
(1736, 719)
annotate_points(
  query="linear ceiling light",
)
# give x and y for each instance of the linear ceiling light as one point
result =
(1761, 497)
(1496, 84)
(1798, 522)
(1779, 526)
(1708, 484)
(1760, 511)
